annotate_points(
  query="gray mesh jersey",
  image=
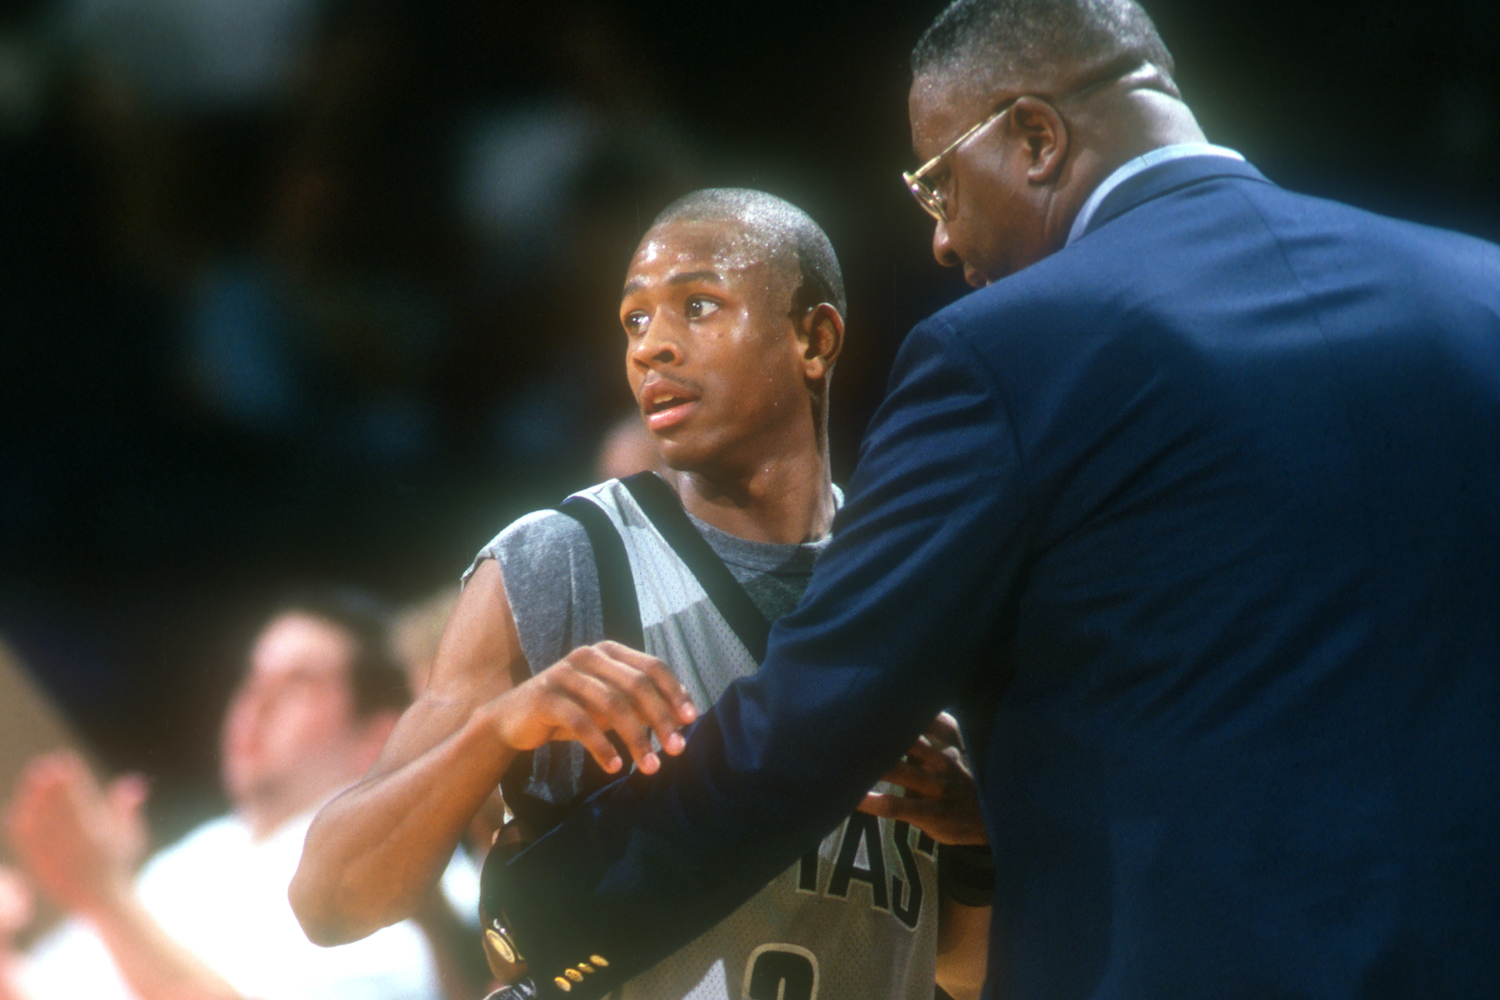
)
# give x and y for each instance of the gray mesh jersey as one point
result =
(858, 920)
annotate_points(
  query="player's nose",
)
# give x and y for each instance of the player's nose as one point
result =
(660, 344)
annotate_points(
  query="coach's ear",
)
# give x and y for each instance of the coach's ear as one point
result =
(1045, 133)
(821, 336)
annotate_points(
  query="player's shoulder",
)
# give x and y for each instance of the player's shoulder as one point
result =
(545, 536)
(546, 526)
(541, 536)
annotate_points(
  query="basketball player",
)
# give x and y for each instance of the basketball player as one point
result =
(733, 315)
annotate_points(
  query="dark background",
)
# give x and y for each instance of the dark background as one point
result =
(257, 338)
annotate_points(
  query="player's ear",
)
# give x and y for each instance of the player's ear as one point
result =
(821, 336)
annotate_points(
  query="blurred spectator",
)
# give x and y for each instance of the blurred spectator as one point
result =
(197, 54)
(15, 913)
(558, 168)
(208, 917)
(417, 629)
(628, 448)
(317, 326)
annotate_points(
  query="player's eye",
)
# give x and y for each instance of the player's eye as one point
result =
(635, 322)
(699, 307)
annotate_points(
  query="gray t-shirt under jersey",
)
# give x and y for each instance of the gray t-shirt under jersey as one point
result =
(553, 585)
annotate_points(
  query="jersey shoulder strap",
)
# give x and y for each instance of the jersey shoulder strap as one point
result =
(662, 507)
(621, 616)
(617, 602)
(621, 619)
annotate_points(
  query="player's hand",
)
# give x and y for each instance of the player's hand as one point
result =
(79, 842)
(589, 692)
(942, 799)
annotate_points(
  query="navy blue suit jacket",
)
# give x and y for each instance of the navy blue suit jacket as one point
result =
(1198, 522)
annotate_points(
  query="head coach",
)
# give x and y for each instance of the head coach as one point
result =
(1192, 510)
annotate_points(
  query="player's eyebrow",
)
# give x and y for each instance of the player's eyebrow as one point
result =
(681, 278)
(688, 277)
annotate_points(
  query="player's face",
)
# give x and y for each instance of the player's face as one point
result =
(994, 226)
(291, 721)
(713, 354)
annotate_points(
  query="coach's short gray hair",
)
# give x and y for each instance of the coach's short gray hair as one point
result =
(1019, 40)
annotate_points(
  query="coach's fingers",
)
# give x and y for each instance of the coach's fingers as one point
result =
(937, 758)
(937, 818)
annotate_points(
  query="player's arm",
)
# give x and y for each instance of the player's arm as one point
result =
(962, 948)
(373, 854)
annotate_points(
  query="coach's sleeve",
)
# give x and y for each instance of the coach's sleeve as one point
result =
(901, 606)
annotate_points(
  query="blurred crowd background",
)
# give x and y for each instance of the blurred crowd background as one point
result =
(301, 291)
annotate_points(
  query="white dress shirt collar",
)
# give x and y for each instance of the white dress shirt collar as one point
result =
(1165, 154)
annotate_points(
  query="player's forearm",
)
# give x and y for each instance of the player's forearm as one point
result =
(962, 948)
(373, 854)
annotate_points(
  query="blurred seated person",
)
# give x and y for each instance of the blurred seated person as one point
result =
(415, 631)
(628, 448)
(208, 918)
(15, 914)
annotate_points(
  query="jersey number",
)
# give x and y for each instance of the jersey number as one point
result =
(781, 972)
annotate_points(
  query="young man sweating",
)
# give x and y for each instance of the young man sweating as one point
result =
(632, 607)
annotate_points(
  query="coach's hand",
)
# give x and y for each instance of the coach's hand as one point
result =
(595, 689)
(942, 799)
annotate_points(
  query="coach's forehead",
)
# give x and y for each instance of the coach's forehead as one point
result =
(941, 109)
(946, 101)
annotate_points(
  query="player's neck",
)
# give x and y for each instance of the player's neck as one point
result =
(782, 500)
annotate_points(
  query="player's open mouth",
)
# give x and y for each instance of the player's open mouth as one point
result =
(666, 404)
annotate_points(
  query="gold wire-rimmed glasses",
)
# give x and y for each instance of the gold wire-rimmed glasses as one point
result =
(927, 196)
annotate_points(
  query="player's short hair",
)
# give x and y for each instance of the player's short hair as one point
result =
(789, 236)
(377, 680)
(1022, 39)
